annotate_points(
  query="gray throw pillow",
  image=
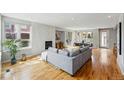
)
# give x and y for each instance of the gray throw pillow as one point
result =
(83, 49)
(74, 53)
(63, 52)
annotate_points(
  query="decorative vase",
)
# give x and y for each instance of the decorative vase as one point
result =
(13, 60)
(23, 57)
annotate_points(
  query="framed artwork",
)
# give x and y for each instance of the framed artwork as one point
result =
(90, 35)
(58, 35)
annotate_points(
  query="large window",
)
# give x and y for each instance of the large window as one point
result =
(18, 31)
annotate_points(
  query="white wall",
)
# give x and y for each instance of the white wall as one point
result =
(112, 37)
(0, 33)
(95, 38)
(0, 44)
(40, 34)
(120, 58)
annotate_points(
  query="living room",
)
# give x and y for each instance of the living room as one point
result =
(51, 46)
(97, 34)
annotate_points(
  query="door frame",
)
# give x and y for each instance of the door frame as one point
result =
(104, 30)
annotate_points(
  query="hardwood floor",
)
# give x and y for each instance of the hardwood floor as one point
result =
(102, 66)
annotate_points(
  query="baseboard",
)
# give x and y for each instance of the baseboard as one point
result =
(119, 65)
(122, 71)
(28, 57)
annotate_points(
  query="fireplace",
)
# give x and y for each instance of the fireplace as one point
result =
(48, 44)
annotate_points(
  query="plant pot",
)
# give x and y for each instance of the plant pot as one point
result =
(13, 61)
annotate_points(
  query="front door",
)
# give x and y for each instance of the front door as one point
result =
(103, 39)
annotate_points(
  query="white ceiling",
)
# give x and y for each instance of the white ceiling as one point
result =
(73, 21)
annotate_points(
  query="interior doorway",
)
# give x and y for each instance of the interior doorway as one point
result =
(103, 38)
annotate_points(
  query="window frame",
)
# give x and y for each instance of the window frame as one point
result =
(18, 33)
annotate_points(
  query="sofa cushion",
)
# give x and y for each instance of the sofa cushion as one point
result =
(73, 51)
(83, 49)
(52, 49)
(72, 48)
(63, 52)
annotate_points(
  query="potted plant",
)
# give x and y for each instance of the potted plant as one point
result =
(12, 45)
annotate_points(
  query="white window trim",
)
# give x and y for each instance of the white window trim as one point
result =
(30, 40)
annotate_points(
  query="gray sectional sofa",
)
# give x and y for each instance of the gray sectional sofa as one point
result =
(69, 61)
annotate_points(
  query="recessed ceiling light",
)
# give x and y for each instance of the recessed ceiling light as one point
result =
(109, 16)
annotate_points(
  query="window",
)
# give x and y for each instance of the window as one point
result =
(18, 31)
